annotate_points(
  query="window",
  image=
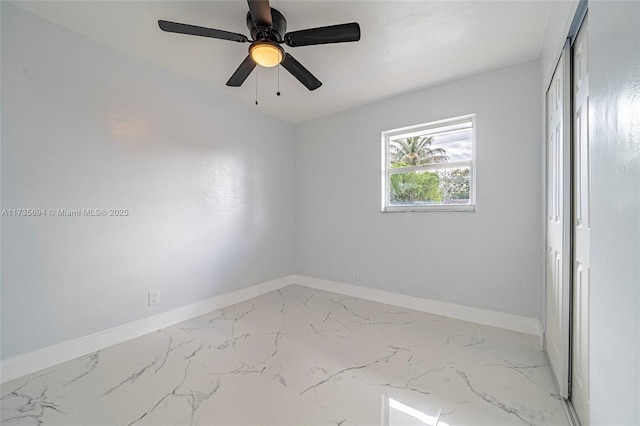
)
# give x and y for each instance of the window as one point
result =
(429, 167)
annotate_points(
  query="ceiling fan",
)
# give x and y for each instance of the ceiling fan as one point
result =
(268, 29)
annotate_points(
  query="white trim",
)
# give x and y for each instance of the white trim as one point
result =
(480, 316)
(31, 362)
(420, 128)
(432, 208)
(435, 166)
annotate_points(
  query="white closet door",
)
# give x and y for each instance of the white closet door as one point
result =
(558, 221)
(582, 227)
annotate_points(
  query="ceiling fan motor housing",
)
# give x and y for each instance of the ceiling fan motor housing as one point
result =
(273, 33)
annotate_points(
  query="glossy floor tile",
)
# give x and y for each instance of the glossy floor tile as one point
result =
(299, 356)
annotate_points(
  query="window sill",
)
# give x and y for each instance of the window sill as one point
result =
(446, 208)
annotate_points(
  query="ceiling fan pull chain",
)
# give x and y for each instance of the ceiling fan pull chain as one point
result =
(256, 87)
(278, 92)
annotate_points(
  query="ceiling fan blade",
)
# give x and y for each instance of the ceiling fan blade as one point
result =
(260, 12)
(300, 72)
(176, 27)
(242, 72)
(323, 35)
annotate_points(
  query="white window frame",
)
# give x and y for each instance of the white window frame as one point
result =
(421, 129)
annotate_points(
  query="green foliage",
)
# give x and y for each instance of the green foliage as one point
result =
(399, 164)
(454, 184)
(415, 187)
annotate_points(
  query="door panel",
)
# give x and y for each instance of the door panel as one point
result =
(558, 221)
(582, 227)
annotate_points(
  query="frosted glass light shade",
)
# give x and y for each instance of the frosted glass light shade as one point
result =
(266, 54)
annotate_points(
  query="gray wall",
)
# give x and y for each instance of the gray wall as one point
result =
(490, 259)
(208, 185)
(615, 237)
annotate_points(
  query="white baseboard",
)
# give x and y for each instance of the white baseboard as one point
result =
(465, 313)
(31, 362)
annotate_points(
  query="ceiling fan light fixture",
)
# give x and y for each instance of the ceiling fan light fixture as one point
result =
(268, 29)
(266, 54)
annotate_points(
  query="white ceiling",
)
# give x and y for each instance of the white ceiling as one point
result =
(405, 45)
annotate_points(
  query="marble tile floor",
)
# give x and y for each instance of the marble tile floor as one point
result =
(299, 356)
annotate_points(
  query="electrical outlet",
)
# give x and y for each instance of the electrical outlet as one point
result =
(356, 275)
(154, 297)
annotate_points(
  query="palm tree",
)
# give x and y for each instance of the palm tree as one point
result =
(415, 151)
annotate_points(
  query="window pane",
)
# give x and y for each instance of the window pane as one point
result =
(431, 148)
(415, 151)
(456, 144)
(437, 187)
(415, 188)
(454, 185)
